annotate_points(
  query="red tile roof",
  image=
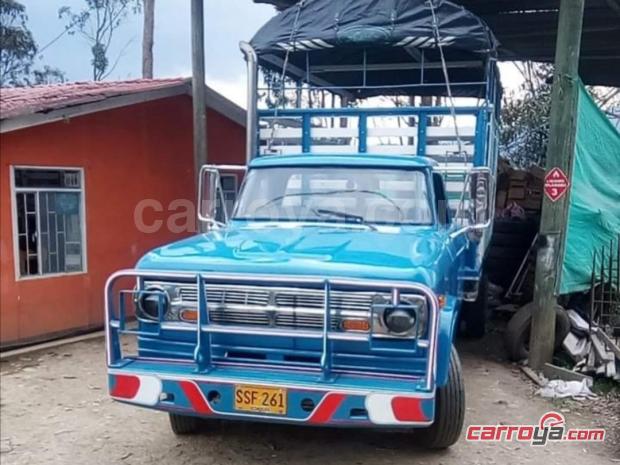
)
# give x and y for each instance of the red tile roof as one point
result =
(22, 101)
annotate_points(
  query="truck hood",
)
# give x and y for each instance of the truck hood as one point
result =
(391, 253)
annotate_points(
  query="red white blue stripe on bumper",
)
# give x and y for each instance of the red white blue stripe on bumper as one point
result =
(324, 405)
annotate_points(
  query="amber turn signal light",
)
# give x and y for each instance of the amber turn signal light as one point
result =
(355, 325)
(189, 314)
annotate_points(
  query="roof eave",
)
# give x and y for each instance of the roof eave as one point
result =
(215, 101)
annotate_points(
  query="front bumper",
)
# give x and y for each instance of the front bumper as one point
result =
(324, 390)
(346, 400)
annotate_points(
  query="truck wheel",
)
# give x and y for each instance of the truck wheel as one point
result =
(475, 313)
(449, 410)
(184, 424)
(517, 334)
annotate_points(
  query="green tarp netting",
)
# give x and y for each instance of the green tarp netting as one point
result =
(594, 208)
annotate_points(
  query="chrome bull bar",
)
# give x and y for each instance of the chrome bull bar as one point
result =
(115, 322)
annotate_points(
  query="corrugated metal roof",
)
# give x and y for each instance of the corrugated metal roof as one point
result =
(20, 101)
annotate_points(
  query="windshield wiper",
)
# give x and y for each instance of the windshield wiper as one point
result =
(400, 211)
(349, 217)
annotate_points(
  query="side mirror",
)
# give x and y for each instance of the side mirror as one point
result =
(210, 196)
(213, 204)
(481, 195)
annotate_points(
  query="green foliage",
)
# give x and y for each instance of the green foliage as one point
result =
(18, 50)
(525, 114)
(276, 97)
(96, 23)
(17, 46)
(48, 75)
(525, 117)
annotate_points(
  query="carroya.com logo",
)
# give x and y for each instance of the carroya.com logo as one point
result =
(550, 428)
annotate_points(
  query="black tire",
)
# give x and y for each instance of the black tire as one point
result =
(475, 313)
(449, 410)
(522, 228)
(507, 253)
(184, 424)
(504, 239)
(501, 271)
(517, 334)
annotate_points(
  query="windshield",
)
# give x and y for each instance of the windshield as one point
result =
(336, 194)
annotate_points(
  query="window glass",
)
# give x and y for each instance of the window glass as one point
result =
(324, 193)
(40, 178)
(229, 191)
(49, 221)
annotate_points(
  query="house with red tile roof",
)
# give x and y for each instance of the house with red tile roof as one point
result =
(93, 175)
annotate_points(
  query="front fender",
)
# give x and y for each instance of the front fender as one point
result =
(445, 337)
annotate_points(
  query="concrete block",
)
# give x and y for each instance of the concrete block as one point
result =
(555, 372)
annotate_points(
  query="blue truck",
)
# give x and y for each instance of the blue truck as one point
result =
(331, 292)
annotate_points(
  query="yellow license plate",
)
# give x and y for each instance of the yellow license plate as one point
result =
(260, 399)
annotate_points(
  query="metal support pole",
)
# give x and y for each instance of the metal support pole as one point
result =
(199, 95)
(560, 154)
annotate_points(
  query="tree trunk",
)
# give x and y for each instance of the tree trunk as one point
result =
(147, 39)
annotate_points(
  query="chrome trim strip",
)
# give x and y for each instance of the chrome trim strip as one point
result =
(326, 356)
(300, 386)
(301, 369)
(275, 332)
(262, 330)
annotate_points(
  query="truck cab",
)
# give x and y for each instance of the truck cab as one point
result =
(332, 291)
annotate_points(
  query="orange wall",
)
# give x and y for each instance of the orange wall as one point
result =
(128, 154)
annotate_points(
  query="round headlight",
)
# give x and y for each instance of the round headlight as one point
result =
(150, 300)
(399, 321)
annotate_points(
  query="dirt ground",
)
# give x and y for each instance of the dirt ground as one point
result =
(55, 410)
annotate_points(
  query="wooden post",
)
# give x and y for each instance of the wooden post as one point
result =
(560, 154)
(147, 39)
(199, 88)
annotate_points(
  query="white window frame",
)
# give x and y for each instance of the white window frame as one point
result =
(15, 190)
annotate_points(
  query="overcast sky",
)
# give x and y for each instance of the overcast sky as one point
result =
(226, 23)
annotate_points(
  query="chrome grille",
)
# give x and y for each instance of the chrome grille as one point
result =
(352, 301)
(278, 307)
(239, 317)
(305, 321)
(280, 297)
(284, 307)
(233, 296)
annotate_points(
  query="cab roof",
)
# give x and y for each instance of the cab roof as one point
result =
(358, 159)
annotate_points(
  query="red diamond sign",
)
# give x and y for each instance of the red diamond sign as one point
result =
(556, 184)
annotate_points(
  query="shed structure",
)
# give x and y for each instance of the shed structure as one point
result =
(93, 175)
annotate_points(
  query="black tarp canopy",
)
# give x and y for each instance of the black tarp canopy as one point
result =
(333, 39)
(527, 30)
